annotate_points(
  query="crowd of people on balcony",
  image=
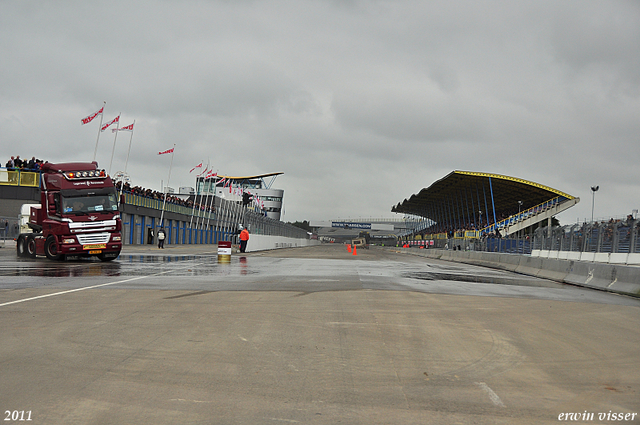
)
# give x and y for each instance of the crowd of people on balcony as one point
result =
(15, 163)
(204, 205)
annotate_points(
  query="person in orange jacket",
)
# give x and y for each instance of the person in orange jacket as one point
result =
(244, 238)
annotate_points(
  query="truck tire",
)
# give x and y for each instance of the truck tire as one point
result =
(20, 248)
(30, 246)
(51, 249)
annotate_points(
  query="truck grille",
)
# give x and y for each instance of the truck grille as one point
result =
(87, 226)
(93, 238)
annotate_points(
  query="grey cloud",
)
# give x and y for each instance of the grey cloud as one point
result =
(360, 103)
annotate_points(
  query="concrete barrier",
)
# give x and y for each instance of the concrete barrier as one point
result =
(618, 278)
(266, 242)
(597, 257)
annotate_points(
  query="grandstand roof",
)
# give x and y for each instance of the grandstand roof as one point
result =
(258, 176)
(466, 192)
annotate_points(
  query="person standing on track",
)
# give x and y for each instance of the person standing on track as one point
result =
(161, 238)
(244, 238)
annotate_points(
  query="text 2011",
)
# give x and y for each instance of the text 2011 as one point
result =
(17, 415)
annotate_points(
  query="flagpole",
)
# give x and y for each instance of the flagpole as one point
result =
(216, 224)
(129, 151)
(200, 210)
(164, 201)
(126, 162)
(114, 142)
(95, 151)
(213, 200)
(195, 199)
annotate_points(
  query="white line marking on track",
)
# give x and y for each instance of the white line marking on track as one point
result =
(86, 287)
(492, 395)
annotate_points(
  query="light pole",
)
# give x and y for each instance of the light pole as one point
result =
(594, 189)
(519, 207)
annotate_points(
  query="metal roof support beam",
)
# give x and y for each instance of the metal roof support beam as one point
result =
(462, 205)
(457, 216)
(466, 201)
(452, 221)
(486, 207)
(441, 215)
(447, 216)
(493, 205)
(472, 209)
(479, 206)
(456, 213)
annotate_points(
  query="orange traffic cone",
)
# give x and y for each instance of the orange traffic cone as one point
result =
(349, 247)
(354, 250)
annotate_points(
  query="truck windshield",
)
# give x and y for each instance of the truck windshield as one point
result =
(95, 202)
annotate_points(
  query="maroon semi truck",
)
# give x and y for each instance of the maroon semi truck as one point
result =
(77, 217)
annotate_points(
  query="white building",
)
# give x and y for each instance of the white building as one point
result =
(231, 188)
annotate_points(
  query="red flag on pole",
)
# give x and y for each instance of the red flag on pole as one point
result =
(90, 118)
(125, 128)
(167, 151)
(115, 120)
(197, 166)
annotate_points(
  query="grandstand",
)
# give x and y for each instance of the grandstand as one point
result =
(473, 204)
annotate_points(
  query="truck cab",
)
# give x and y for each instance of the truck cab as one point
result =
(78, 215)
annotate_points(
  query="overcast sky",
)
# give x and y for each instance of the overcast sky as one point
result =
(360, 103)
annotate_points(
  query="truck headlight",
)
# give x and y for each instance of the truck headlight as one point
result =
(68, 240)
(116, 238)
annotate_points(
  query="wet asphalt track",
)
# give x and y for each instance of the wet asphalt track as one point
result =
(311, 335)
(324, 268)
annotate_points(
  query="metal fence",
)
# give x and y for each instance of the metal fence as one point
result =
(511, 245)
(614, 236)
(608, 237)
(9, 229)
(223, 219)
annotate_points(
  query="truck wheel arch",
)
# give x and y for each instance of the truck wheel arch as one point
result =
(51, 249)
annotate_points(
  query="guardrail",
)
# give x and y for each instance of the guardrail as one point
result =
(19, 178)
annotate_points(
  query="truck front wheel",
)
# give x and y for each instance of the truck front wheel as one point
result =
(51, 249)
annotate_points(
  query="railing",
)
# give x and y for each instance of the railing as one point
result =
(614, 236)
(19, 178)
(523, 215)
(225, 219)
(156, 204)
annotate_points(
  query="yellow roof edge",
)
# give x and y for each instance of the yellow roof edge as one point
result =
(515, 179)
